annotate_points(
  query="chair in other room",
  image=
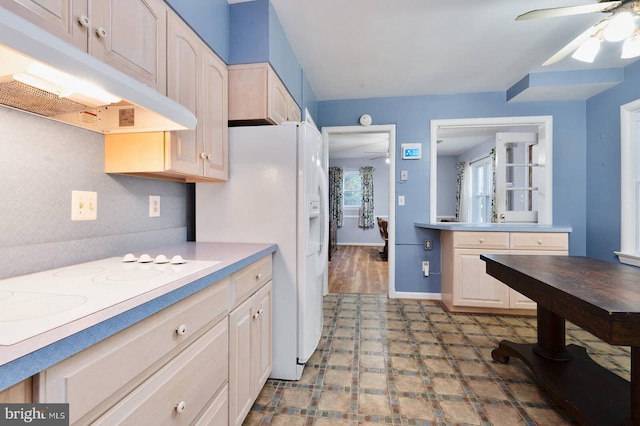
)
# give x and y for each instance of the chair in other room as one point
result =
(382, 226)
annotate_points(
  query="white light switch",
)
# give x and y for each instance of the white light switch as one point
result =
(401, 200)
(84, 205)
(404, 175)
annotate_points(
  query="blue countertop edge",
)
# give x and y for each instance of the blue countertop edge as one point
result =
(26, 366)
(487, 227)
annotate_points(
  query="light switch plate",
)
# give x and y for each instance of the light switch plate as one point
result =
(84, 205)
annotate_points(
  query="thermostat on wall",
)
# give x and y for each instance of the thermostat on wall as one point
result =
(411, 151)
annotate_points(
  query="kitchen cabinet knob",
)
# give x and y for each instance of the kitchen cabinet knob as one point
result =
(83, 21)
(539, 242)
(209, 157)
(203, 155)
(260, 311)
(259, 277)
(181, 407)
(181, 330)
(481, 240)
(256, 315)
(101, 32)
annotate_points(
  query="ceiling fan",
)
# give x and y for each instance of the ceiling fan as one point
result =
(619, 25)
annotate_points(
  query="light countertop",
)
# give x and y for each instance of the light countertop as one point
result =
(493, 227)
(35, 353)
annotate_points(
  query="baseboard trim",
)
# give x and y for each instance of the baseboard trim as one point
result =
(416, 295)
(362, 244)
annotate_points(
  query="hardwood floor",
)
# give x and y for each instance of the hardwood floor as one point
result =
(358, 269)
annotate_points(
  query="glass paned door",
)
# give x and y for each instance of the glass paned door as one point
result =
(518, 175)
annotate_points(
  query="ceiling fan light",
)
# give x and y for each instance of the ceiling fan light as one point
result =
(620, 27)
(588, 51)
(631, 47)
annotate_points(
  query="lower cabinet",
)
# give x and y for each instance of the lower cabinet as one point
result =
(465, 285)
(202, 361)
(250, 351)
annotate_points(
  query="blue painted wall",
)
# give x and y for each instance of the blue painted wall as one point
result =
(256, 35)
(603, 165)
(412, 116)
(210, 19)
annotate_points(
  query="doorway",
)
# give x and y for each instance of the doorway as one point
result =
(365, 134)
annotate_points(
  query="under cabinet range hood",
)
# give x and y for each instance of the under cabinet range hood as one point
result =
(44, 75)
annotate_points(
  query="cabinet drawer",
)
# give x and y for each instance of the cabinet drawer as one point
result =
(246, 281)
(182, 389)
(539, 241)
(481, 240)
(217, 414)
(101, 374)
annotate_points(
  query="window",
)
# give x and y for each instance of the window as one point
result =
(481, 189)
(352, 189)
(630, 184)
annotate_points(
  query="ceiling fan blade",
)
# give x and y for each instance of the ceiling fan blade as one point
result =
(575, 43)
(569, 10)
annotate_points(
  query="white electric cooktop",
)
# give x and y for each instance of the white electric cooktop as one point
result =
(36, 303)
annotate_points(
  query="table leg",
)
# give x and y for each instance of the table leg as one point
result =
(551, 336)
(635, 385)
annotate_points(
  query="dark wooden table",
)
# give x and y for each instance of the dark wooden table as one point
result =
(603, 299)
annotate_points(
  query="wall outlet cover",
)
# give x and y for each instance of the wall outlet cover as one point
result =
(84, 205)
(154, 205)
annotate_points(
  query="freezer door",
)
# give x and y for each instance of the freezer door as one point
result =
(314, 224)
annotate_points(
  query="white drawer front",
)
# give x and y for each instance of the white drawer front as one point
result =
(246, 281)
(481, 240)
(99, 372)
(179, 392)
(539, 241)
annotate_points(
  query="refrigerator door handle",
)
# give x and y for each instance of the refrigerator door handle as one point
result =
(324, 200)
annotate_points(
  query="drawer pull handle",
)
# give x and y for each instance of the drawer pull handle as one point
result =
(259, 276)
(481, 240)
(539, 242)
(101, 32)
(84, 21)
(258, 314)
(181, 330)
(181, 407)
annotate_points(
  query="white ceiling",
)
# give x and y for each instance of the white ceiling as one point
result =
(353, 49)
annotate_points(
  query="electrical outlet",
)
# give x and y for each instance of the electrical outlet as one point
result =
(154, 205)
(84, 205)
(427, 244)
(425, 267)
(401, 200)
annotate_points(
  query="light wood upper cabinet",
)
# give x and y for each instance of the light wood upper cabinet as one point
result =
(197, 79)
(130, 36)
(257, 95)
(127, 34)
(66, 19)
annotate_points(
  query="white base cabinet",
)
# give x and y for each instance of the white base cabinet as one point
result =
(465, 285)
(250, 340)
(202, 361)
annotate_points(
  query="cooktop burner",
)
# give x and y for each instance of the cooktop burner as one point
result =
(32, 304)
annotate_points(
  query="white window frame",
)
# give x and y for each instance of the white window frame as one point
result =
(484, 163)
(630, 208)
(349, 173)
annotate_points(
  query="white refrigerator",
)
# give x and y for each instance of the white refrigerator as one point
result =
(277, 193)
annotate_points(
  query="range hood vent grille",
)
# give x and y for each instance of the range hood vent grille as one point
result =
(28, 98)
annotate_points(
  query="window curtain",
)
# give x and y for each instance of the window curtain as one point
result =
(336, 175)
(366, 220)
(462, 191)
(494, 214)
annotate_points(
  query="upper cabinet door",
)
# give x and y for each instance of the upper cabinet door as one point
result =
(130, 35)
(212, 120)
(183, 86)
(66, 19)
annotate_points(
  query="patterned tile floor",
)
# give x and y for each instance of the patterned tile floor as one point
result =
(407, 362)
